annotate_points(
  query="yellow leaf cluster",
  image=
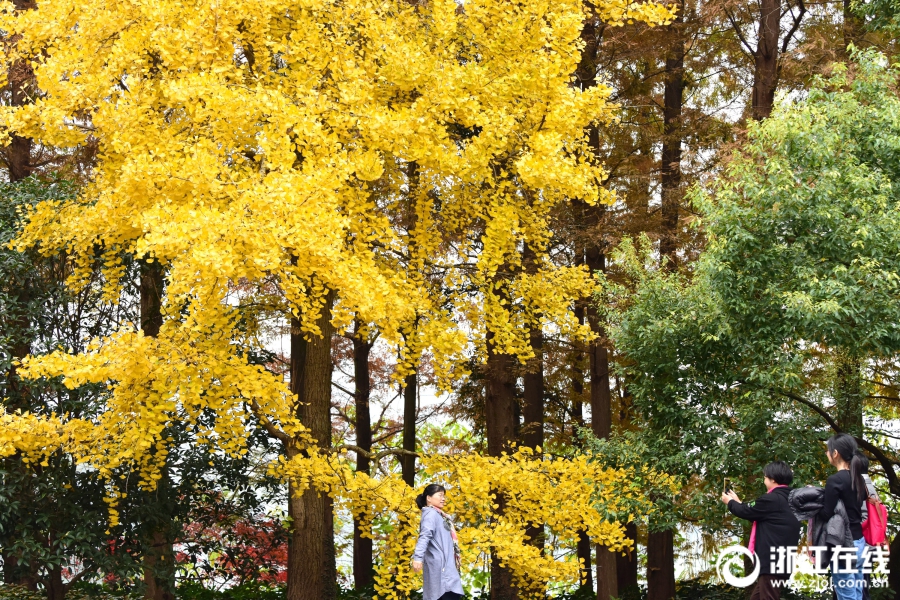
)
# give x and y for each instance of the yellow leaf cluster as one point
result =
(266, 145)
(566, 495)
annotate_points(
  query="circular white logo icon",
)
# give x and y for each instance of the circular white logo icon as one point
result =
(733, 556)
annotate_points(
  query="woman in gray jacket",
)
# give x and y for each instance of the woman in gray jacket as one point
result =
(437, 551)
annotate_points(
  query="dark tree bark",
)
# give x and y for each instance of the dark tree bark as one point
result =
(21, 87)
(532, 433)
(151, 298)
(848, 393)
(410, 409)
(159, 558)
(852, 29)
(410, 382)
(533, 395)
(312, 573)
(501, 431)
(583, 545)
(765, 76)
(661, 565)
(601, 417)
(56, 589)
(500, 400)
(362, 546)
(766, 55)
(673, 99)
(595, 260)
(664, 572)
(627, 564)
(533, 380)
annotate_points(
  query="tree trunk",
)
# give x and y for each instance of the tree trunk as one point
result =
(852, 29)
(627, 565)
(595, 259)
(151, 298)
(661, 569)
(312, 573)
(661, 565)
(533, 380)
(533, 396)
(583, 545)
(894, 567)
(362, 546)
(500, 400)
(601, 418)
(500, 424)
(533, 412)
(410, 409)
(56, 590)
(159, 559)
(765, 75)
(22, 92)
(410, 382)
(583, 551)
(671, 147)
(848, 393)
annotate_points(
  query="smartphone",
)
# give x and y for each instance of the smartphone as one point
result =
(725, 487)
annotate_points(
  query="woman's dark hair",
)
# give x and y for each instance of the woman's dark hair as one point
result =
(846, 447)
(430, 490)
(863, 462)
(779, 472)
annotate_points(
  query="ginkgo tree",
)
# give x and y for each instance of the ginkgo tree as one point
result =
(240, 146)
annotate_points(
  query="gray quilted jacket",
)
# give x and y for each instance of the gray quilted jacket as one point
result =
(806, 502)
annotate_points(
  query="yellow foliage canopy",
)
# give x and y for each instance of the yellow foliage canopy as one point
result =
(266, 143)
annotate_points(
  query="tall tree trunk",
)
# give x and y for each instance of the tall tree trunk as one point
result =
(22, 92)
(583, 545)
(410, 382)
(533, 415)
(671, 146)
(852, 29)
(848, 393)
(532, 433)
(601, 417)
(595, 260)
(159, 559)
(410, 409)
(627, 564)
(661, 573)
(499, 417)
(661, 565)
(312, 572)
(765, 75)
(533, 380)
(362, 546)
(56, 589)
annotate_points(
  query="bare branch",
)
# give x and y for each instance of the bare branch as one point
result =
(737, 29)
(343, 389)
(795, 26)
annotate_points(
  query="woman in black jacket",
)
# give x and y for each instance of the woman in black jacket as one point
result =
(848, 486)
(774, 526)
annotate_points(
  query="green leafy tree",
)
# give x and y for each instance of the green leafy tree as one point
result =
(786, 329)
(52, 514)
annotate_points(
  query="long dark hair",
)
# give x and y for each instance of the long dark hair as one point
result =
(846, 447)
(430, 490)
